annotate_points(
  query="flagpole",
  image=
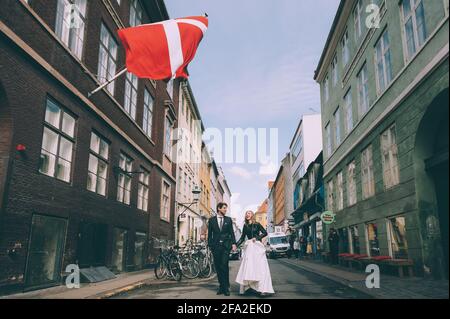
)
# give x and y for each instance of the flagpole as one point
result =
(107, 82)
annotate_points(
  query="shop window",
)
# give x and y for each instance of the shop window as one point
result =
(45, 251)
(397, 237)
(119, 249)
(354, 235)
(373, 244)
(343, 238)
(139, 246)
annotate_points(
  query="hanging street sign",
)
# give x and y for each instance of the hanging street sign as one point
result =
(328, 217)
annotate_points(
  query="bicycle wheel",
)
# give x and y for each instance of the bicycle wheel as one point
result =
(175, 269)
(161, 268)
(207, 269)
(190, 267)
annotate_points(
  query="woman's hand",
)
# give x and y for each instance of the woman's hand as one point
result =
(253, 239)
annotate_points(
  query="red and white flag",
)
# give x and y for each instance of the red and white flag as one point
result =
(164, 49)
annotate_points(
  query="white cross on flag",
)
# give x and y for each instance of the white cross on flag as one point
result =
(164, 49)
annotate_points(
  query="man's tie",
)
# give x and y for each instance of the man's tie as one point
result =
(220, 223)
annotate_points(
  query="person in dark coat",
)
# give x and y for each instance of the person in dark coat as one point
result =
(333, 241)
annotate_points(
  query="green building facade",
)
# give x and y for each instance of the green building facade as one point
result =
(384, 97)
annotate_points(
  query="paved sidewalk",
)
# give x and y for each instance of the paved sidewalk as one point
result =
(102, 290)
(390, 287)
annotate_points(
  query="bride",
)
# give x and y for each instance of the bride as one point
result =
(254, 272)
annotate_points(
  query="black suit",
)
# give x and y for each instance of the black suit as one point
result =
(220, 241)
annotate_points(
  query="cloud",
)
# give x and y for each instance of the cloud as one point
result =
(241, 172)
(268, 169)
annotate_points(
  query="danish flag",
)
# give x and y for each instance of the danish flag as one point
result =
(164, 49)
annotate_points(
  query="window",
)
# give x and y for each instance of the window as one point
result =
(389, 157)
(351, 184)
(363, 91)
(368, 182)
(165, 204)
(107, 58)
(148, 113)
(330, 195)
(334, 70)
(70, 24)
(312, 181)
(326, 88)
(414, 26)
(357, 16)
(345, 49)
(135, 13)
(328, 138)
(373, 245)
(144, 182)
(337, 127)
(98, 165)
(340, 192)
(298, 147)
(344, 240)
(139, 250)
(348, 107)
(397, 237)
(170, 89)
(383, 65)
(57, 143)
(168, 137)
(124, 179)
(131, 87)
(354, 237)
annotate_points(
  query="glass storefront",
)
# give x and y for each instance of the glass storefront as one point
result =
(139, 246)
(319, 236)
(373, 241)
(119, 249)
(354, 235)
(397, 235)
(45, 250)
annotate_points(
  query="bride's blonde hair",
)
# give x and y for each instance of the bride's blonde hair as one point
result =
(252, 220)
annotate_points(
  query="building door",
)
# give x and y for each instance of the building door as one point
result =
(45, 251)
(139, 250)
(92, 245)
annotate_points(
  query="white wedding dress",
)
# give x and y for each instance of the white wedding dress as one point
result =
(254, 271)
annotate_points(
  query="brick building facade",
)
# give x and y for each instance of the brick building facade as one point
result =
(83, 180)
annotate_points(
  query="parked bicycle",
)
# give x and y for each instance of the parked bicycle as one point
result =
(168, 263)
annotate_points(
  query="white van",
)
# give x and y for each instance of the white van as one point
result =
(277, 244)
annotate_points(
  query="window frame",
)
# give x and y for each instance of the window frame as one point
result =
(99, 158)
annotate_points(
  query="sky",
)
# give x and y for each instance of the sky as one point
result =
(254, 69)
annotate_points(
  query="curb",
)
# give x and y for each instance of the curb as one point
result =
(142, 284)
(336, 279)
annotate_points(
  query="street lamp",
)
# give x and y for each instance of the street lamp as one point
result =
(196, 191)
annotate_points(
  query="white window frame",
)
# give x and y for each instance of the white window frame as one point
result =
(136, 13)
(165, 205)
(348, 107)
(386, 63)
(168, 133)
(131, 91)
(124, 189)
(330, 195)
(147, 120)
(100, 158)
(358, 23)
(143, 190)
(390, 150)
(404, 19)
(345, 42)
(337, 127)
(72, 35)
(351, 184)
(367, 173)
(107, 68)
(335, 70)
(329, 142)
(340, 191)
(363, 91)
(326, 85)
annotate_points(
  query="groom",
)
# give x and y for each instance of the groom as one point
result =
(221, 240)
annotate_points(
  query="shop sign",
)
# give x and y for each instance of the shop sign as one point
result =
(328, 217)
